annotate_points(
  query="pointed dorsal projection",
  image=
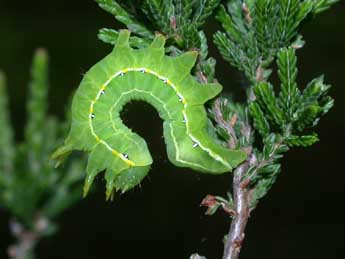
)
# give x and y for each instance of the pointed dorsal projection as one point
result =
(166, 83)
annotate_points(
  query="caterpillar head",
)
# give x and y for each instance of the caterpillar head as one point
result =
(123, 170)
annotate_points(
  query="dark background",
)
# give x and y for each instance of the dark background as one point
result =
(303, 215)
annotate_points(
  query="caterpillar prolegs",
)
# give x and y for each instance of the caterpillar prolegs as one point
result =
(164, 82)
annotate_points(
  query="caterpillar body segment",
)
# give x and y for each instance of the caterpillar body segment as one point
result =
(164, 82)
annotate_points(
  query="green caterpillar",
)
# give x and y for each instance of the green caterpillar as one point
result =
(164, 82)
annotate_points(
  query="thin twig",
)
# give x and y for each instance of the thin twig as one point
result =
(25, 244)
(247, 14)
(228, 126)
(241, 201)
(26, 238)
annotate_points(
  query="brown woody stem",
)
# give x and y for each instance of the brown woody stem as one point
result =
(241, 195)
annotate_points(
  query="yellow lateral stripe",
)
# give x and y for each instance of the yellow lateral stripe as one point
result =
(115, 152)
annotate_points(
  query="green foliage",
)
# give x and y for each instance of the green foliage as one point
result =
(160, 13)
(179, 20)
(264, 172)
(266, 99)
(314, 103)
(292, 112)
(322, 5)
(254, 32)
(29, 186)
(303, 141)
(125, 17)
(289, 95)
(238, 44)
(282, 120)
(36, 112)
(7, 147)
(260, 121)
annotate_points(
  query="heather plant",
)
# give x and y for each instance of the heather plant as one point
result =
(32, 191)
(258, 38)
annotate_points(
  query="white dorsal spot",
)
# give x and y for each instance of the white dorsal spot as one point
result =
(195, 144)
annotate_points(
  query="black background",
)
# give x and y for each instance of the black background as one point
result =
(303, 215)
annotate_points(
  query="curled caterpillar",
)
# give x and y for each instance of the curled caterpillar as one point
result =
(164, 82)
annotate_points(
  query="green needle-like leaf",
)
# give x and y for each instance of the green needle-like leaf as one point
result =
(203, 45)
(265, 22)
(7, 147)
(224, 18)
(291, 14)
(260, 122)
(124, 17)
(287, 71)
(268, 102)
(302, 141)
(37, 107)
(314, 103)
(161, 12)
(204, 10)
(322, 5)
